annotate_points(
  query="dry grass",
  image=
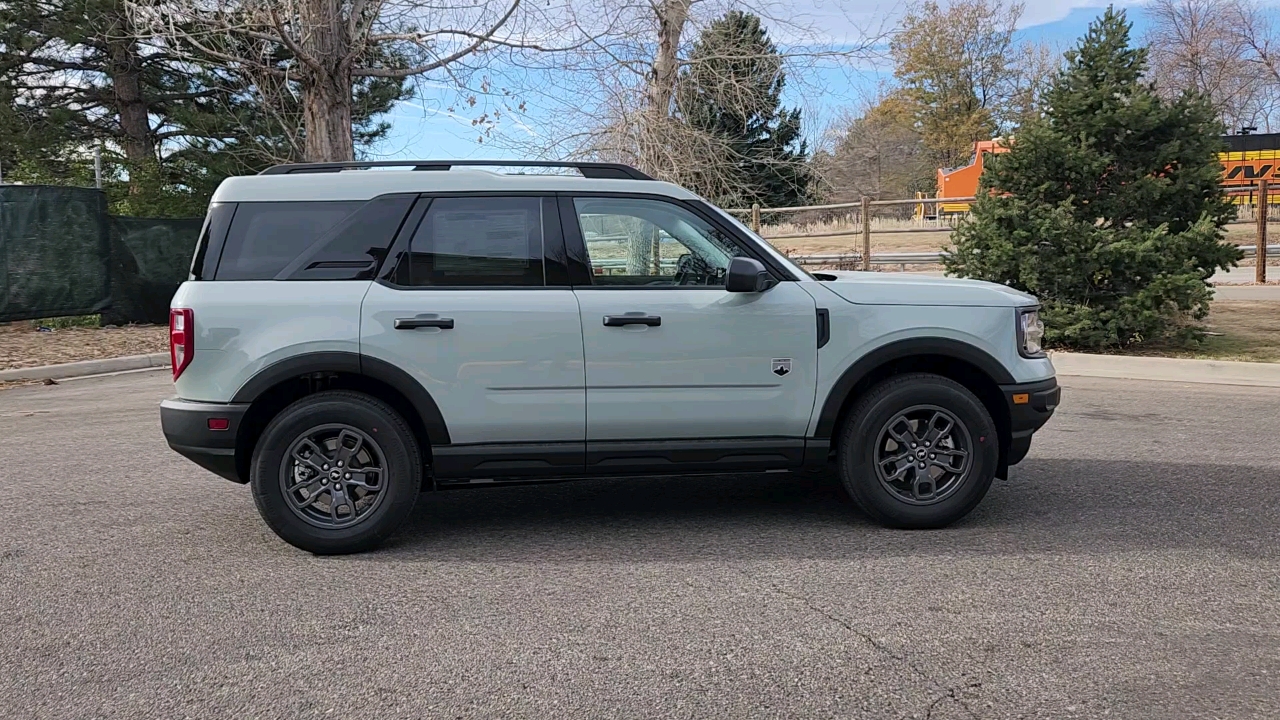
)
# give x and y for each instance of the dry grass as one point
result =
(1244, 330)
(926, 237)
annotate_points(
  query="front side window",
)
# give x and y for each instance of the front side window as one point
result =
(482, 241)
(639, 242)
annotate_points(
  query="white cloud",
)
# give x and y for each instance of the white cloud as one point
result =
(1039, 12)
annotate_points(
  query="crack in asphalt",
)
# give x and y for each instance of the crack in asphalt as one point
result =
(949, 693)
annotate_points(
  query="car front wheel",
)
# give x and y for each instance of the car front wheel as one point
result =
(918, 451)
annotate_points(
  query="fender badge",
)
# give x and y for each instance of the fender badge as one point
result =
(780, 366)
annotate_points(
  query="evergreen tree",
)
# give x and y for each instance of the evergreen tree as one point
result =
(1109, 208)
(75, 77)
(732, 89)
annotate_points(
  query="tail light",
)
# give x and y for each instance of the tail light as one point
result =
(182, 340)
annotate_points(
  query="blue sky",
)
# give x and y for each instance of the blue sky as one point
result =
(424, 127)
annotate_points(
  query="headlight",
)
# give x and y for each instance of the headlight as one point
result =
(1030, 333)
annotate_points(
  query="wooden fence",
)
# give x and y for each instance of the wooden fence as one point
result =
(866, 206)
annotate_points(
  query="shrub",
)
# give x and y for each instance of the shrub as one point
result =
(1109, 207)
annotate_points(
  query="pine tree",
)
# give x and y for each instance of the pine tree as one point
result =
(74, 76)
(732, 88)
(1109, 209)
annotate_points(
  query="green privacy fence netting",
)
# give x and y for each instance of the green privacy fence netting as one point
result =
(61, 254)
(150, 258)
(54, 251)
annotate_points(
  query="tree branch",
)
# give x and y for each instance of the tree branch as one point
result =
(441, 62)
(298, 52)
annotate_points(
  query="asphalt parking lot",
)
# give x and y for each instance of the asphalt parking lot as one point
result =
(1130, 568)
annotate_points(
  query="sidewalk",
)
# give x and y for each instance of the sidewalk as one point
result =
(1213, 372)
(1243, 275)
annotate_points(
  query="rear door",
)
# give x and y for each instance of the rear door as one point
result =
(467, 307)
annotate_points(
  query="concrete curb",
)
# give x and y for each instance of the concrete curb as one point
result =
(1213, 372)
(87, 367)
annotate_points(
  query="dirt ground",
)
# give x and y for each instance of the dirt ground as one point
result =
(1247, 330)
(22, 345)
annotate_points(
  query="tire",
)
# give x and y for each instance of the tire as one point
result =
(903, 407)
(380, 476)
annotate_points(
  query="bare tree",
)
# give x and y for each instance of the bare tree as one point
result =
(616, 98)
(319, 48)
(1222, 49)
(956, 62)
(1031, 72)
(961, 76)
(878, 153)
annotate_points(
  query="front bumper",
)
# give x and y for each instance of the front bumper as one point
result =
(1030, 407)
(186, 426)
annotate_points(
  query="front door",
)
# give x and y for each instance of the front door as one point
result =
(670, 354)
(467, 311)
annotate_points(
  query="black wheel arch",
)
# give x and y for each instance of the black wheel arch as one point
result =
(281, 383)
(968, 365)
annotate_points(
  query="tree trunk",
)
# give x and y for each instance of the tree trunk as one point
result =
(326, 87)
(672, 15)
(326, 119)
(124, 67)
(639, 247)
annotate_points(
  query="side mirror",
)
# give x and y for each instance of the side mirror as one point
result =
(747, 275)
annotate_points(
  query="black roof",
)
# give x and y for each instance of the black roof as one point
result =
(594, 170)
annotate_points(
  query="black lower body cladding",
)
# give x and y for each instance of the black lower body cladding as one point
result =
(204, 433)
(1030, 407)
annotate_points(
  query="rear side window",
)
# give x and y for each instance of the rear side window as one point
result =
(484, 241)
(265, 237)
(209, 247)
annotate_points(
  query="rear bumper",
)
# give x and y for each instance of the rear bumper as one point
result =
(1030, 407)
(186, 428)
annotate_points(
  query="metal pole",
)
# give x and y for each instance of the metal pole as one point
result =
(1264, 203)
(97, 167)
(866, 233)
(755, 217)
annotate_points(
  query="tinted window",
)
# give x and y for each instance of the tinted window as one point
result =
(209, 246)
(354, 249)
(265, 237)
(477, 241)
(651, 242)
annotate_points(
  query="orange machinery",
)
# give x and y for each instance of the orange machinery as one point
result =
(962, 182)
(1248, 158)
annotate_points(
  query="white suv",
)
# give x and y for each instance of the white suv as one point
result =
(351, 336)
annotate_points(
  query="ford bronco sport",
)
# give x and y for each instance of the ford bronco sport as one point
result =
(352, 335)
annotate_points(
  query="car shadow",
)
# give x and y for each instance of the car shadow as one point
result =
(1048, 506)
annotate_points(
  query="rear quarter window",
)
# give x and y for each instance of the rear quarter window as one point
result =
(204, 264)
(264, 237)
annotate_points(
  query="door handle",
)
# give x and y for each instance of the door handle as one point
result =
(414, 323)
(632, 318)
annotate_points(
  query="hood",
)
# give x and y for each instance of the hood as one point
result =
(878, 288)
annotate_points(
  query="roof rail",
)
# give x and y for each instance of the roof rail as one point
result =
(594, 170)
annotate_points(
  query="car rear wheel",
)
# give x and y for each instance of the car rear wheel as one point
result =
(918, 451)
(336, 472)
